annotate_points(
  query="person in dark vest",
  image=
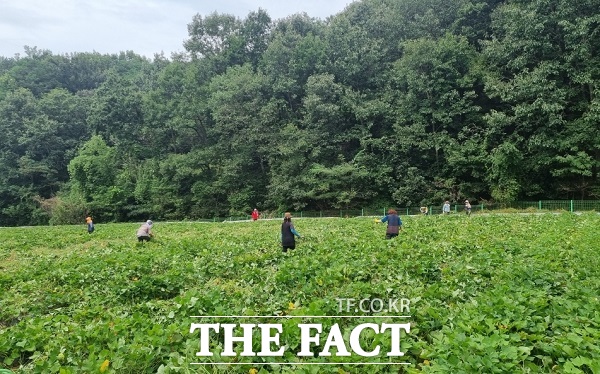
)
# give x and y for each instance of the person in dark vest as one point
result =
(288, 233)
(90, 224)
(394, 224)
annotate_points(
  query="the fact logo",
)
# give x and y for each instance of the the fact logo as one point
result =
(314, 339)
(310, 334)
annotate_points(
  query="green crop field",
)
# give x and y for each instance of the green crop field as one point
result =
(488, 294)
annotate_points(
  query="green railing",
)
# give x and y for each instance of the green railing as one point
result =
(525, 206)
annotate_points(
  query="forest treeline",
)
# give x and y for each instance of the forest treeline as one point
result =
(388, 103)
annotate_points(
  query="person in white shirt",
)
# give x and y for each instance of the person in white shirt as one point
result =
(446, 207)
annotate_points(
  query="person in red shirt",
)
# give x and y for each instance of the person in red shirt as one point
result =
(255, 214)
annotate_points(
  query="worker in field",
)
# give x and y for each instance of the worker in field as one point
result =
(288, 233)
(90, 224)
(467, 207)
(255, 214)
(394, 224)
(446, 208)
(144, 233)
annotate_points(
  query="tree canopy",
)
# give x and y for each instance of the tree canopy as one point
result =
(388, 103)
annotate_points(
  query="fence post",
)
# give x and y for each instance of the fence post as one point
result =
(482, 207)
(540, 205)
(320, 214)
(407, 212)
(571, 206)
(362, 212)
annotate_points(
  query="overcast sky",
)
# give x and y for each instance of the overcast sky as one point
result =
(143, 26)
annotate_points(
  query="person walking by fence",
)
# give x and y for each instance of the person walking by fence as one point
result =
(288, 233)
(467, 207)
(446, 208)
(394, 224)
(424, 210)
(255, 214)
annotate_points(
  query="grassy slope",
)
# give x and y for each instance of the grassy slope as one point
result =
(506, 293)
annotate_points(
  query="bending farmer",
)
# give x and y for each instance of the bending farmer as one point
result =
(394, 224)
(145, 232)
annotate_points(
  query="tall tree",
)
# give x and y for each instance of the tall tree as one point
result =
(295, 52)
(435, 99)
(116, 114)
(93, 175)
(242, 118)
(537, 69)
(209, 35)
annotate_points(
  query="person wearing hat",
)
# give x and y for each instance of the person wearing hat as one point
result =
(446, 208)
(288, 233)
(255, 214)
(145, 232)
(90, 224)
(467, 207)
(394, 224)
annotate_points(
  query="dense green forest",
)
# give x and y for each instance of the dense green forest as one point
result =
(390, 102)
